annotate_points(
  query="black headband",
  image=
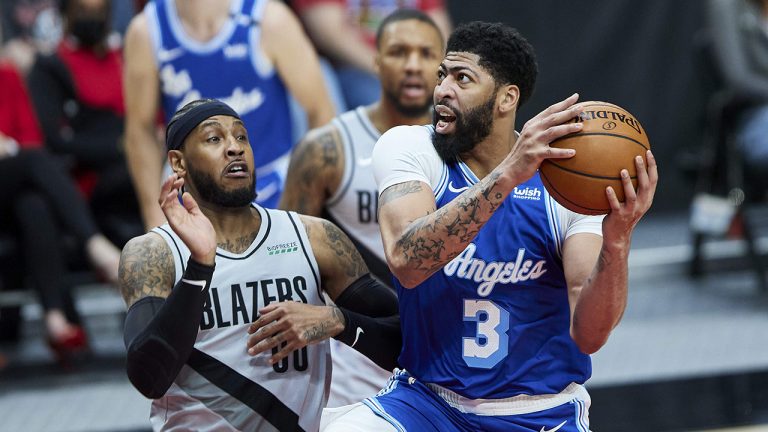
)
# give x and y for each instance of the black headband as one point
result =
(179, 128)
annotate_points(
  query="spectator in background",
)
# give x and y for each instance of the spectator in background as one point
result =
(43, 200)
(344, 31)
(78, 95)
(28, 27)
(739, 30)
(252, 54)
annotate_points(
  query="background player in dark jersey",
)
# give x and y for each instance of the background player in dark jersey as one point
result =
(330, 172)
(503, 293)
(188, 326)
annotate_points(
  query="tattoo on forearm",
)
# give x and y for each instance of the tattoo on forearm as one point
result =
(424, 244)
(323, 330)
(146, 269)
(238, 245)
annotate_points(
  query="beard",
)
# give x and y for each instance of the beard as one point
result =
(211, 192)
(409, 111)
(470, 129)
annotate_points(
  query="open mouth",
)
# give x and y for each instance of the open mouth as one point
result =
(445, 119)
(236, 169)
(414, 89)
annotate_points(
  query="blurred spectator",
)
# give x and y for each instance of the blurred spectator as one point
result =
(739, 30)
(43, 200)
(251, 54)
(28, 27)
(78, 95)
(344, 31)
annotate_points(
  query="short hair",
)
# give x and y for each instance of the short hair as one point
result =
(405, 14)
(507, 56)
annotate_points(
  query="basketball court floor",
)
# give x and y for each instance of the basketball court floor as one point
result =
(689, 355)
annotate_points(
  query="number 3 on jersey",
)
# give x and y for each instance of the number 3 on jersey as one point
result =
(490, 344)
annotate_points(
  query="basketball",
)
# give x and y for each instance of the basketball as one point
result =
(608, 142)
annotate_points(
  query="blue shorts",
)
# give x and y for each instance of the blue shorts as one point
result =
(410, 405)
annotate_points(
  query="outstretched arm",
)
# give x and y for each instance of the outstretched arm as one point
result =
(597, 271)
(314, 173)
(420, 239)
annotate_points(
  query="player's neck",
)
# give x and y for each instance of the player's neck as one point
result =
(384, 117)
(489, 152)
(232, 225)
(202, 19)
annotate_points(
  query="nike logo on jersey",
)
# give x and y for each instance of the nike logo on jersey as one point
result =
(357, 336)
(165, 55)
(365, 161)
(544, 429)
(456, 190)
(200, 283)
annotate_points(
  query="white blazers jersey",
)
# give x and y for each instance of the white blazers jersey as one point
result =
(353, 206)
(221, 387)
(353, 209)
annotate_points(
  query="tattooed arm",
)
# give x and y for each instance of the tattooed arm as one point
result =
(163, 320)
(146, 269)
(420, 239)
(301, 324)
(361, 303)
(314, 174)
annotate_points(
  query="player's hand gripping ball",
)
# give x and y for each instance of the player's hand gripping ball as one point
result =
(608, 142)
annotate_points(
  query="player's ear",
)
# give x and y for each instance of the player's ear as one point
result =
(176, 161)
(508, 97)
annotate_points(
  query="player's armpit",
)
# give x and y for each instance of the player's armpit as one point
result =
(339, 261)
(146, 269)
(315, 171)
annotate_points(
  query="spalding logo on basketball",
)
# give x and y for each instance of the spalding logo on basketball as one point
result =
(608, 142)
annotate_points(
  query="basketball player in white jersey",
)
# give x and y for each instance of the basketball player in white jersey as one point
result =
(227, 325)
(330, 171)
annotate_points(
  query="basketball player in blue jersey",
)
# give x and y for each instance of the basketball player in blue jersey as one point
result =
(248, 53)
(227, 327)
(503, 293)
(330, 172)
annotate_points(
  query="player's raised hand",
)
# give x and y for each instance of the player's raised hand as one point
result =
(619, 223)
(532, 146)
(188, 221)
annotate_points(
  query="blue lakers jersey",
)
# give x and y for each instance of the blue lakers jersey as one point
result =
(229, 67)
(494, 322)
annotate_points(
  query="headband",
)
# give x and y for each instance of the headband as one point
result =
(180, 127)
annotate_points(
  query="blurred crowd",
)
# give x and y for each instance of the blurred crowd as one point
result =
(86, 87)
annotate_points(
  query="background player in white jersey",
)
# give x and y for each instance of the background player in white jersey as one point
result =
(330, 172)
(248, 53)
(503, 293)
(199, 340)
